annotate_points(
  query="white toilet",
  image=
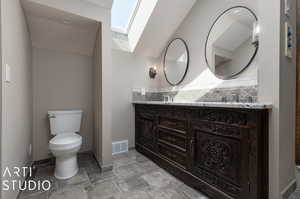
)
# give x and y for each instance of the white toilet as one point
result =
(65, 125)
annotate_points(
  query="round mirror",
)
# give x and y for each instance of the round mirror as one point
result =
(232, 42)
(176, 61)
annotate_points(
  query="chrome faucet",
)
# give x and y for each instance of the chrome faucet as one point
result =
(224, 99)
(236, 97)
(168, 98)
(172, 98)
(250, 99)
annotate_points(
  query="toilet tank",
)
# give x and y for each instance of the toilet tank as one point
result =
(65, 121)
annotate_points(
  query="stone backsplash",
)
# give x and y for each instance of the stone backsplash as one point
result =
(237, 94)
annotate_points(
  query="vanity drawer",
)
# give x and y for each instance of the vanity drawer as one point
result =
(180, 158)
(173, 123)
(172, 138)
(219, 129)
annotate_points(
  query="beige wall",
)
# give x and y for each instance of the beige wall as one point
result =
(97, 148)
(129, 71)
(101, 14)
(17, 95)
(277, 81)
(194, 30)
(274, 73)
(61, 81)
(107, 94)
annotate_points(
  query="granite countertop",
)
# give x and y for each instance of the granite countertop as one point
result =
(211, 104)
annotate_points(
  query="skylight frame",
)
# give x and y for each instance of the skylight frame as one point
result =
(132, 17)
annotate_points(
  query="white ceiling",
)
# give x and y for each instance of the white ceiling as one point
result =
(102, 3)
(163, 23)
(58, 30)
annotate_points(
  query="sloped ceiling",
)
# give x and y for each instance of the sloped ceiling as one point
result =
(233, 37)
(101, 3)
(163, 23)
(57, 30)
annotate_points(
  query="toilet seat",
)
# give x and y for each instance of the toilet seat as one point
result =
(65, 141)
(65, 125)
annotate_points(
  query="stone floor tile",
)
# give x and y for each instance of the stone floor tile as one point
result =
(190, 192)
(41, 178)
(92, 169)
(123, 161)
(133, 195)
(103, 190)
(131, 155)
(133, 177)
(42, 195)
(167, 193)
(158, 179)
(295, 195)
(72, 193)
(79, 180)
(137, 156)
(80, 177)
(120, 155)
(98, 177)
(148, 166)
(127, 171)
(132, 184)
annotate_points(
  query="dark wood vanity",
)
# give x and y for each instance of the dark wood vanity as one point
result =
(222, 152)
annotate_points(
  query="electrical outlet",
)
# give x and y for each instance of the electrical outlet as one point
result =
(289, 43)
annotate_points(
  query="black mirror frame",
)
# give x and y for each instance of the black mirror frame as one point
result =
(252, 58)
(187, 65)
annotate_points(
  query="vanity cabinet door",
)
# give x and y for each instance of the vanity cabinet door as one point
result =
(172, 145)
(220, 157)
(145, 130)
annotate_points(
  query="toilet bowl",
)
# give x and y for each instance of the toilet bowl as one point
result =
(65, 148)
(66, 142)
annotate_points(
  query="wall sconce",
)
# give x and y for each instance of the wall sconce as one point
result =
(153, 72)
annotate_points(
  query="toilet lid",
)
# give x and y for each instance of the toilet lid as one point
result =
(65, 139)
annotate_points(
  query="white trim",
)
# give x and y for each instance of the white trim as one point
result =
(131, 19)
(118, 30)
(133, 15)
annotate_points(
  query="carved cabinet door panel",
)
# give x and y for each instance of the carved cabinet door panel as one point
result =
(145, 131)
(172, 145)
(220, 157)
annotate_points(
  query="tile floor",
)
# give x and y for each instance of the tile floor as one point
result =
(133, 177)
(296, 195)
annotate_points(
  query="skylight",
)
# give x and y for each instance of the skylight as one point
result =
(122, 14)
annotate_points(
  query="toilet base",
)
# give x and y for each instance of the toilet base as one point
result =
(66, 167)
